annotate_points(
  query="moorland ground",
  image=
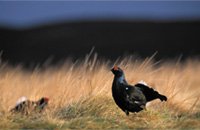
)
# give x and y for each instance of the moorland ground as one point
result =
(80, 94)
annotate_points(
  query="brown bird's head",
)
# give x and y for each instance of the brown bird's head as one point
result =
(43, 102)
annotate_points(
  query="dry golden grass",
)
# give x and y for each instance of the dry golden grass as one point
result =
(80, 94)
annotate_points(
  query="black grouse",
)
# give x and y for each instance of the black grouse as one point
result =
(131, 98)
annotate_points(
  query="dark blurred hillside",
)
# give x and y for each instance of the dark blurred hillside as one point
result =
(111, 39)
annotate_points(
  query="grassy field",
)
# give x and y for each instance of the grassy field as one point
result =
(80, 95)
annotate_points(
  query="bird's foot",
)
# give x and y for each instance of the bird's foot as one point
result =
(143, 107)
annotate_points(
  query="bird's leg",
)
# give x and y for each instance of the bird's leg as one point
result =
(143, 107)
(127, 112)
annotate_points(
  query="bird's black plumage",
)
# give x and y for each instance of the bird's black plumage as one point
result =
(131, 98)
(149, 93)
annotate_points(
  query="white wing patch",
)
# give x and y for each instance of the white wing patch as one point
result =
(20, 100)
(142, 82)
(137, 102)
(126, 88)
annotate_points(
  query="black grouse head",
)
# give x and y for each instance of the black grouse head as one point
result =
(118, 72)
(43, 102)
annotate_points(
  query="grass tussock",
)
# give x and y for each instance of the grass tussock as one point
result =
(80, 95)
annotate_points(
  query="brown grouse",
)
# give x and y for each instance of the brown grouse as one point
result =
(26, 106)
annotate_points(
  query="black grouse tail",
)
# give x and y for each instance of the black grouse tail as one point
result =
(150, 93)
(162, 97)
